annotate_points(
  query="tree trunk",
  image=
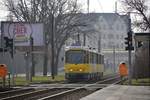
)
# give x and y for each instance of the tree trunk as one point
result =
(56, 63)
(45, 61)
(52, 48)
(32, 58)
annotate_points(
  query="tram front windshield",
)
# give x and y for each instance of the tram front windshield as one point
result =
(74, 57)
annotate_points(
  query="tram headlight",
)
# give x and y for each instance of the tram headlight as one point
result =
(71, 70)
(80, 70)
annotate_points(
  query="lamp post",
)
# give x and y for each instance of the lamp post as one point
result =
(26, 56)
(114, 58)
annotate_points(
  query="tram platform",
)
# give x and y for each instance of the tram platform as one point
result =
(120, 92)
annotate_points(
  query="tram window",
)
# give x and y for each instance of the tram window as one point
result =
(99, 59)
(102, 59)
(94, 59)
(75, 57)
(90, 55)
(86, 57)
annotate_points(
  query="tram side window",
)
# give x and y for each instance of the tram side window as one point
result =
(99, 59)
(91, 57)
(95, 58)
(86, 57)
(102, 57)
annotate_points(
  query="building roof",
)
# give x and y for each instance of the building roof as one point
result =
(142, 36)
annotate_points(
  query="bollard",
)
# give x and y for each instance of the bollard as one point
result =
(4, 82)
(9, 79)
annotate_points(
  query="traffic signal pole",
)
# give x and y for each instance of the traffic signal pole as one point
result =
(130, 68)
(129, 47)
(12, 56)
(129, 50)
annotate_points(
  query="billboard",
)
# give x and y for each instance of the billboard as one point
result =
(22, 31)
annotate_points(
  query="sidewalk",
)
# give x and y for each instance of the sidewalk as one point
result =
(121, 92)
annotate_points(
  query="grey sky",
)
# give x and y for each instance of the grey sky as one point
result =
(100, 5)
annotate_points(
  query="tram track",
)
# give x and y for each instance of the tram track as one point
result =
(75, 94)
(15, 92)
(59, 91)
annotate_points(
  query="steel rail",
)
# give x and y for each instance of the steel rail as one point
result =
(50, 90)
(58, 95)
(13, 92)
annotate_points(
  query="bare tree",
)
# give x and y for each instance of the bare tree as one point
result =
(59, 18)
(141, 8)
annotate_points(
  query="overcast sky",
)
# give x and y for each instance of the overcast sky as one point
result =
(106, 6)
(102, 6)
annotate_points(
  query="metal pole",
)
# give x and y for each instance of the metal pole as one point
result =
(27, 65)
(99, 46)
(116, 9)
(149, 57)
(32, 58)
(84, 39)
(99, 42)
(114, 54)
(52, 53)
(84, 35)
(130, 68)
(88, 3)
(129, 52)
(13, 69)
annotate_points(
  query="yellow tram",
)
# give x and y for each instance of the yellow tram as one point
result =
(83, 64)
